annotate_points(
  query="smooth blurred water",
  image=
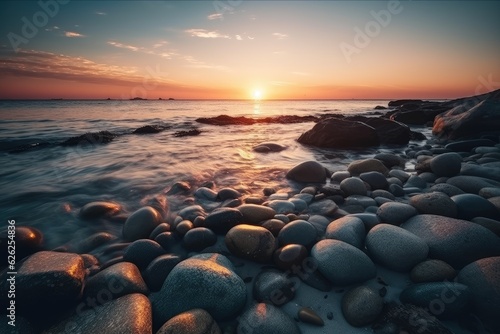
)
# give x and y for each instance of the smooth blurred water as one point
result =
(45, 188)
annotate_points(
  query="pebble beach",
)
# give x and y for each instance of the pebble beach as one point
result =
(393, 238)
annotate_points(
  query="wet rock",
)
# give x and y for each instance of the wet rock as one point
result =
(142, 252)
(390, 160)
(353, 186)
(446, 164)
(347, 229)
(254, 214)
(470, 206)
(382, 193)
(95, 210)
(269, 147)
(308, 172)
(341, 263)
(471, 184)
(266, 319)
(361, 306)
(274, 226)
(251, 242)
(376, 180)
(196, 321)
(492, 173)
(158, 270)
(228, 193)
(205, 193)
(90, 138)
(490, 224)
(395, 213)
(289, 256)
(149, 129)
(369, 219)
(447, 189)
(323, 207)
(281, 206)
(432, 271)
(358, 167)
(273, 286)
(298, 232)
(199, 238)
(400, 174)
(468, 145)
(300, 205)
(141, 223)
(415, 181)
(307, 315)
(28, 240)
(339, 176)
(191, 212)
(179, 188)
(222, 220)
(435, 203)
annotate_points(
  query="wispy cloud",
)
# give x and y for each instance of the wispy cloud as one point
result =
(280, 35)
(159, 44)
(238, 37)
(215, 16)
(101, 13)
(149, 51)
(202, 33)
(52, 29)
(123, 46)
(72, 34)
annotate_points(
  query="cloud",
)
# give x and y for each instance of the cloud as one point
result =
(202, 33)
(250, 38)
(195, 63)
(101, 13)
(238, 37)
(215, 16)
(280, 35)
(72, 34)
(159, 44)
(153, 51)
(123, 46)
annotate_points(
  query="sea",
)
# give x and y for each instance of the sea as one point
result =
(45, 186)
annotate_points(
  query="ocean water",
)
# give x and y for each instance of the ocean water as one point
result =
(46, 187)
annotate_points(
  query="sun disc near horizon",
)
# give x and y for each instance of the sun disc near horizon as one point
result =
(257, 94)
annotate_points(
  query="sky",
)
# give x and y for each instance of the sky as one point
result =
(234, 49)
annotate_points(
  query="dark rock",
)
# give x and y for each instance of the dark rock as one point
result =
(191, 212)
(390, 160)
(251, 242)
(90, 138)
(242, 120)
(141, 223)
(361, 306)
(388, 131)
(95, 210)
(471, 206)
(358, 167)
(307, 315)
(376, 180)
(273, 286)
(142, 252)
(158, 270)
(395, 213)
(28, 240)
(148, 129)
(324, 207)
(254, 214)
(435, 203)
(273, 225)
(353, 186)
(446, 164)
(166, 240)
(266, 319)
(447, 189)
(490, 224)
(289, 256)
(163, 227)
(337, 133)
(268, 147)
(187, 133)
(199, 238)
(299, 232)
(457, 242)
(471, 184)
(398, 103)
(468, 145)
(228, 193)
(486, 172)
(308, 172)
(347, 229)
(196, 321)
(432, 271)
(222, 220)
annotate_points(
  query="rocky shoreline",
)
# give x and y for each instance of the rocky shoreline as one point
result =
(401, 242)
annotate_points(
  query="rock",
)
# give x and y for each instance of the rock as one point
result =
(163, 227)
(490, 224)
(142, 252)
(468, 145)
(199, 238)
(90, 243)
(205, 193)
(308, 172)
(191, 212)
(222, 220)
(289, 256)
(166, 240)
(400, 174)
(488, 192)
(395, 213)
(273, 225)
(341, 263)
(269, 147)
(444, 299)
(266, 319)
(323, 207)
(179, 188)
(358, 167)
(205, 281)
(446, 164)
(307, 315)
(383, 194)
(390, 160)
(339, 176)
(447, 189)
(353, 186)
(361, 306)
(471, 184)
(388, 131)
(470, 206)
(483, 279)
(90, 138)
(421, 115)
(273, 286)
(376, 180)
(127, 314)
(46, 283)
(148, 129)
(116, 281)
(141, 223)
(432, 271)
(396, 190)
(228, 193)
(300, 205)
(435, 203)
(281, 206)
(158, 270)
(299, 232)
(196, 321)
(395, 248)
(457, 242)
(95, 210)
(416, 181)
(359, 200)
(251, 242)
(254, 214)
(491, 173)
(369, 219)
(338, 133)
(183, 227)
(347, 229)
(28, 240)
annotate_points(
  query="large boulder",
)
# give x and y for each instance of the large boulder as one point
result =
(388, 131)
(338, 133)
(250, 242)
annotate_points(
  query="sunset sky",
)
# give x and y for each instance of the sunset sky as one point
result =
(233, 49)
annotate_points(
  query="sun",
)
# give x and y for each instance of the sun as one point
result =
(257, 94)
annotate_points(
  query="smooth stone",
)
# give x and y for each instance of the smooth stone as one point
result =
(380, 201)
(396, 190)
(141, 223)
(281, 206)
(358, 167)
(395, 248)
(254, 200)
(196, 321)
(183, 227)
(363, 201)
(486, 149)
(308, 172)
(341, 263)
(95, 210)
(274, 226)
(353, 186)
(269, 147)
(118, 280)
(191, 212)
(399, 174)
(488, 192)
(28, 240)
(266, 319)
(490, 173)
(158, 270)
(205, 281)
(428, 177)
(490, 224)
(369, 219)
(179, 188)
(308, 198)
(228, 193)
(163, 227)
(339, 176)
(298, 232)
(415, 181)
(468, 145)
(308, 315)
(284, 218)
(320, 223)
(278, 196)
(470, 206)
(324, 207)
(166, 240)
(444, 299)
(432, 271)
(222, 220)
(457, 242)
(251, 242)
(142, 252)
(347, 229)
(394, 180)
(382, 193)
(309, 190)
(446, 164)
(273, 286)
(289, 256)
(254, 214)
(395, 213)
(205, 193)
(435, 203)
(199, 238)
(361, 306)
(390, 160)
(496, 202)
(300, 205)
(376, 180)
(447, 189)
(483, 279)
(472, 184)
